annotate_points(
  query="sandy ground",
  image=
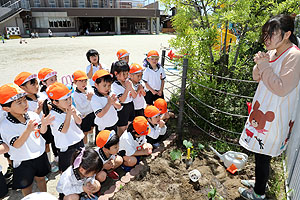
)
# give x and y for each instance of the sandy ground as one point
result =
(65, 55)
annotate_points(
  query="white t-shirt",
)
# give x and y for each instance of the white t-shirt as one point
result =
(95, 68)
(156, 131)
(39, 196)
(131, 145)
(110, 118)
(139, 101)
(33, 104)
(11, 129)
(70, 182)
(72, 136)
(83, 105)
(153, 77)
(103, 156)
(43, 96)
(118, 89)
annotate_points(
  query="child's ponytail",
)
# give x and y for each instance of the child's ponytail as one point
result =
(88, 159)
(45, 107)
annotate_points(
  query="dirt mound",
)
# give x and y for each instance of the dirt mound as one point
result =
(164, 179)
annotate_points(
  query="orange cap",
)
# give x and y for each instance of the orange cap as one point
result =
(122, 53)
(135, 68)
(103, 137)
(161, 104)
(151, 111)
(152, 53)
(23, 77)
(46, 73)
(79, 75)
(100, 73)
(10, 92)
(141, 125)
(58, 91)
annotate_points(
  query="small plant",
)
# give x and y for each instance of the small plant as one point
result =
(214, 195)
(187, 144)
(175, 154)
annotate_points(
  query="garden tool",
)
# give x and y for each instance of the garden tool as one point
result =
(234, 161)
(189, 160)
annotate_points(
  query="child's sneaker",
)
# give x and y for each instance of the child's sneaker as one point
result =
(54, 167)
(249, 194)
(114, 175)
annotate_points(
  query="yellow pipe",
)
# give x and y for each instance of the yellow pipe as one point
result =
(188, 154)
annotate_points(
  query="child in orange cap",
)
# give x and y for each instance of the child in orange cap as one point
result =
(108, 147)
(157, 126)
(122, 54)
(67, 135)
(135, 75)
(82, 97)
(154, 78)
(21, 130)
(28, 82)
(125, 92)
(133, 142)
(103, 103)
(162, 105)
(47, 77)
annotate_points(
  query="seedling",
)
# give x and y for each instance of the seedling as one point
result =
(214, 195)
(175, 154)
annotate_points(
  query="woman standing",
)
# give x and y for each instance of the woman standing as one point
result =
(274, 106)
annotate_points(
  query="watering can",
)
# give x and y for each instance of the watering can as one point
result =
(231, 157)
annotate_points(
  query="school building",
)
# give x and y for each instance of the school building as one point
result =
(80, 17)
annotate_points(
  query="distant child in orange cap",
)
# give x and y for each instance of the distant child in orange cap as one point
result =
(133, 142)
(108, 147)
(28, 82)
(157, 126)
(125, 92)
(135, 75)
(162, 105)
(104, 104)
(122, 54)
(82, 97)
(68, 136)
(154, 78)
(21, 130)
(47, 77)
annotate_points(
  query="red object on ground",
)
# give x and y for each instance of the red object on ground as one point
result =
(114, 175)
(232, 169)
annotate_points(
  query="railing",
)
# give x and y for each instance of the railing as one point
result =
(92, 4)
(15, 7)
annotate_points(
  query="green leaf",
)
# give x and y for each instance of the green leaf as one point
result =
(175, 154)
(187, 144)
(212, 193)
(200, 146)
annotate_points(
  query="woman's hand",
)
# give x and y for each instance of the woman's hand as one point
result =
(261, 57)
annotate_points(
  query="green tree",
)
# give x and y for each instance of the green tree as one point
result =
(197, 24)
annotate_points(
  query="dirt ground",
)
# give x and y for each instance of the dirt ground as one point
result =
(169, 180)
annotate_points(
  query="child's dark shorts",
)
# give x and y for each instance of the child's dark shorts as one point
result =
(150, 98)
(48, 135)
(24, 174)
(88, 122)
(139, 112)
(64, 158)
(126, 114)
(3, 186)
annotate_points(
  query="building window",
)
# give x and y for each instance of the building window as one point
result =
(67, 3)
(95, 3)
(61, 23)
(81, 3)
(37, 3)
(123, 23)
(52, 3)
(140, 25)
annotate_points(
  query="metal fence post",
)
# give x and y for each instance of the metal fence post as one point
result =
(163, 57)
(181, 100)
